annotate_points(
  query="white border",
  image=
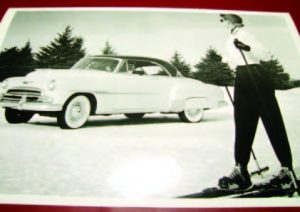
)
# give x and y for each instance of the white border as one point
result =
(161, 203)
(149, 202)
(5, 23)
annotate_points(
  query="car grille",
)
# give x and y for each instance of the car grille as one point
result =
(20, 94)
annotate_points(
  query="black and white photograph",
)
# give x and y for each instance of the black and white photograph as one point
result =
(179, 107)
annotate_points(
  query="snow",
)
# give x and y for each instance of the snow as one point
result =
(112, 156)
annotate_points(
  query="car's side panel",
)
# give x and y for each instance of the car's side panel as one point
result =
(101, 86)
(189, 92)
(135, 93)
(196, 102)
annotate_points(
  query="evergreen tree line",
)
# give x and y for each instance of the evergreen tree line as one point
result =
(212, 70)
(61, 53)
(66, 49)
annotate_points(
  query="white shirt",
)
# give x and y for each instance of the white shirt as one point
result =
(254, 56)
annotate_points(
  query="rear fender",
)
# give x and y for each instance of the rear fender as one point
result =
(193, 103)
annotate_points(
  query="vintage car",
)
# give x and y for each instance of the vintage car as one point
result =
(106, 85)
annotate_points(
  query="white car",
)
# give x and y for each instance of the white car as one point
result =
(106, 85)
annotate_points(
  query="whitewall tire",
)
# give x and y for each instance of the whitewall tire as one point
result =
(192, 115)
(75, 113)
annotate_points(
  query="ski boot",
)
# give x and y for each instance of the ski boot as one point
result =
(285, 180)
(239, 179)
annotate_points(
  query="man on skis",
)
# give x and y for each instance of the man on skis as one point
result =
(254, 98)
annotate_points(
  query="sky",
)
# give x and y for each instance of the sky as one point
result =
(154, 33)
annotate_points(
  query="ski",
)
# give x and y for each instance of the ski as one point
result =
(211, 192)
(214, 192)
(257, 190)
(270, 192)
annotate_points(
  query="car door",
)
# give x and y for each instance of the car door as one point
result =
(142, 88)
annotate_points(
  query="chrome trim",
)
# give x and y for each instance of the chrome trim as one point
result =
(45, 107)
(22, 95)
(125, 93)
(27, 98)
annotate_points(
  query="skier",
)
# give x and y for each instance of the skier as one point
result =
(254, 98)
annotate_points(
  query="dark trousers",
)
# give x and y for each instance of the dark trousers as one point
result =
(254, 98)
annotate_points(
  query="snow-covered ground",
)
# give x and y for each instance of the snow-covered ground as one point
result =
(158, 156)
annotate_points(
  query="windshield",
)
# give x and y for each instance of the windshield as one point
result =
(101, 64)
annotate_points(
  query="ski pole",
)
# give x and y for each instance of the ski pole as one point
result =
(295, 182)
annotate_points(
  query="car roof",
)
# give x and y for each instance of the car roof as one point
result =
(172, 70)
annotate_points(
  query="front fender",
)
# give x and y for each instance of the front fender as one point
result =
(59, 96)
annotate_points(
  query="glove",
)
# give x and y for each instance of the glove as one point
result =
(239, 45)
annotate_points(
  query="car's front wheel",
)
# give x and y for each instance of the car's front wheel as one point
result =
(75, 113)
(134, 115)
(192, 115)
(14, 116)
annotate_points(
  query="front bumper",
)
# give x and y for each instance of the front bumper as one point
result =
(28, 98)
(32, 106)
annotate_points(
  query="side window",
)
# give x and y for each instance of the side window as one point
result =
(155, 70)
(131, 67)
(134, 68)
(123, 68)
(139, 71)
(146, 68)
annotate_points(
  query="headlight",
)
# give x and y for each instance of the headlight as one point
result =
(4, 84)
(51, 85)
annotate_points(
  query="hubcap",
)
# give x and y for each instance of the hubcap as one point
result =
(78, 111)
(194, 114)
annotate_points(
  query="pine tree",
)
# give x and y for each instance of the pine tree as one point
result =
(108, 49)
(181, 65)
(16, 62)
(280, 79)
(212, 70)
(294, 83)
(62, 52)
(26, 59)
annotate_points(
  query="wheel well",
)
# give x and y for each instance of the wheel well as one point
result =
(91, 98)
